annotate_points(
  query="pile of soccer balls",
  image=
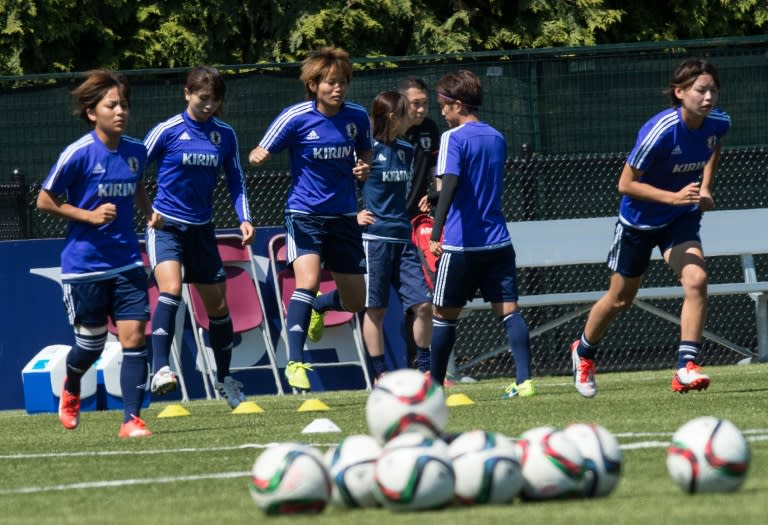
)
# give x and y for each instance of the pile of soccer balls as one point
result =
(407, 462)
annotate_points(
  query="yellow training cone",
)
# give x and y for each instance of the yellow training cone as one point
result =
(456, 400)
(174, 411)
(313, 405)
(248, 407)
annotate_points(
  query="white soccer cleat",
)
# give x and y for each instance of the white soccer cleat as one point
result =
(689, 378)
(583, 372)
(163, 381)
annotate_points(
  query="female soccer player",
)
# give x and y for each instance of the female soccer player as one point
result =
(191, 149)
(476, 251)
(101, 268)
(329, 142)
(390, 255)
(666, 184)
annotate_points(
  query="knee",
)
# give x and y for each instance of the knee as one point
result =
(423, 311)
(694, 280)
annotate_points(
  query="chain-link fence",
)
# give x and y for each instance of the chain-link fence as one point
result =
(569, 117)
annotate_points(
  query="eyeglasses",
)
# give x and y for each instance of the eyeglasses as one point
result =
(418, 104)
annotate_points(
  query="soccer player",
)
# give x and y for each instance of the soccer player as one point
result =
(666, 184)
(191, 149)
(101, 268)
(329, 142)
(424, 135)
(390, 255)
(476, 250)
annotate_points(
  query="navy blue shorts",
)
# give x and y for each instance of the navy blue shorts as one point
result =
(193, 245)
(631, 250)
(338, 241)
(122, 297)
(392, 264)
(460, 274)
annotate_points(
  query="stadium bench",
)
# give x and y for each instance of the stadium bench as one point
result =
(586, 241)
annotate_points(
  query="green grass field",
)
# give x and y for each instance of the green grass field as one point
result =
(195, 468)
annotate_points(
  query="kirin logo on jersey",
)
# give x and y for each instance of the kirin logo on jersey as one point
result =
(215, 137)
(351, 130)
(117, 189)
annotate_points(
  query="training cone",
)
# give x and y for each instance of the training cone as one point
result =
(457, 400)
(320, 426)
(313, 405)
(247, 407)
(174, 411)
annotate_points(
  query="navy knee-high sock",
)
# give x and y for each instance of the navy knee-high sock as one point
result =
(519, 344)
(163, 328)
(133, 380)
(328, 301)
(221, 336)
(443, 339)
(297, 320)
(687, 351)
(80, 358)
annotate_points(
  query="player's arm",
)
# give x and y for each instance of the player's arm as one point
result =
(448, 190)
(143, 203)
(631, 186)
(363, 165)
(706, 201)
(258, 156)
(48, 202)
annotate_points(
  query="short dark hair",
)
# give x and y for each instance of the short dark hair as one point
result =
(98, 81)
(686, 73)
(463, 86)
(411, 82)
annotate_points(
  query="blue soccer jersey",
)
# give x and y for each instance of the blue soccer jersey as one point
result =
(90, 174)
(385, 192)
(671, 156)
(190, 157)
(322, 151)
(476, 153)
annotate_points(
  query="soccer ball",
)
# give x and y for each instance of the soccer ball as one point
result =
(486, 466)
(406, 400)
(290, 478)
(351, 464)
(602, 457)
(414, 472)
(708, 454)
(552, 465)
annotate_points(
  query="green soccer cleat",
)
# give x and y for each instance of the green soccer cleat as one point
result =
(524, 389)
(296, 373)
(316, 324)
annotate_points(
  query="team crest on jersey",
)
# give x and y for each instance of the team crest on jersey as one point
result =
(133, 164)
(401, 155)
(426, 142)
(712, 142)
(351, 130)
(215, 137)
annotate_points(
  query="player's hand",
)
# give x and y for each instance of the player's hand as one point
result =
(257, 156)
(706, 202)
(424, 204)
(365, 217)
(435, 248)
(691, 194)
(155, 221)
(104, 214)
(361, 170)
(248, 232)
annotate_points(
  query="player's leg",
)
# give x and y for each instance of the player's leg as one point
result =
(379, 263)
(166, 254)
(87, 311)
(416, 298)
(130, 309)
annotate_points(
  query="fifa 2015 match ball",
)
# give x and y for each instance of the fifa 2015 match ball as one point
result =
(414, 472)
(552, 464)
(290, 478)
(602, 457)
(487, 468)
(708, 454)
(351, 464)
(406, 400)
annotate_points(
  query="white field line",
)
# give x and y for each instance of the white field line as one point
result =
(752, 435)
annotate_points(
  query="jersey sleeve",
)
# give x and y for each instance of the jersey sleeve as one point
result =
(235, 178)
(279, 134)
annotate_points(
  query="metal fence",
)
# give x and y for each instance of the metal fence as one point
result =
(574, 112)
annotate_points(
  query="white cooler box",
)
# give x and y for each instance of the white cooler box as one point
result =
(43, 378)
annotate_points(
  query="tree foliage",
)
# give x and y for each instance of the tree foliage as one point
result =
(43, 36)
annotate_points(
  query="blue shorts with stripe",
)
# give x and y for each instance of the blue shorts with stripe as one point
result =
(192, 245)
(631, 251)
(338, 241)
(394, 265)
(460, 274)
(122, 297)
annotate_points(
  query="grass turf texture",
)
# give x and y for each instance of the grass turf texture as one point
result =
(195, 469)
